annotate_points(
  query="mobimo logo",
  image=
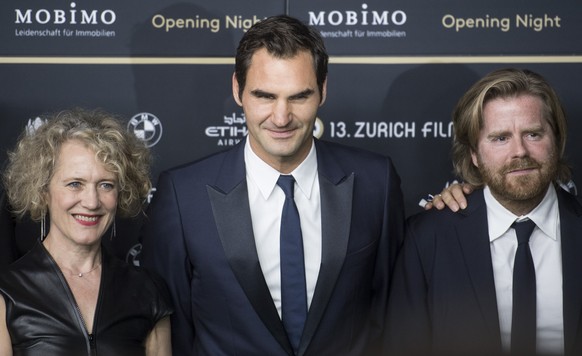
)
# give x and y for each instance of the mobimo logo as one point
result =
(361, 17)
(71, 16)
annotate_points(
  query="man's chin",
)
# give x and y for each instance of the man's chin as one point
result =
(524, 188)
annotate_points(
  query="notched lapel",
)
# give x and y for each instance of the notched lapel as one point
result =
(570, 228)
(233, 221)
(477, 253)
(336, 212)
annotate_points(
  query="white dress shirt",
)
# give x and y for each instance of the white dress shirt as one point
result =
(266, 200)
(545, 245)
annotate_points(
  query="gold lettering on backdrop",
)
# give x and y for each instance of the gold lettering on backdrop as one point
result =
(524, 21)
(239, 22)
(537, 23)
(169, 23)
(486, 22)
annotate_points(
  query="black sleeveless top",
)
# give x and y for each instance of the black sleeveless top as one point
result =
(43, 318)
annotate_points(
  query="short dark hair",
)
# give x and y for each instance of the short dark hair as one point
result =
(283, 37)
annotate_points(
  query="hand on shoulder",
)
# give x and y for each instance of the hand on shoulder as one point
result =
(452, 196)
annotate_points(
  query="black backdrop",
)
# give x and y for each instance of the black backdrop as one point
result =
(397, 69)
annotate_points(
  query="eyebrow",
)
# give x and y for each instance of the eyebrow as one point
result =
(261, 93)
(72, 178)
(498, 133)
(536, 129)
(80, 179)
(302, 94)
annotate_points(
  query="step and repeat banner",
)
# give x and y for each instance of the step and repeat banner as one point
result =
(397, 69)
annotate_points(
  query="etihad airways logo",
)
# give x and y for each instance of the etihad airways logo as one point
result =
(233, 130)
(361, 17)
(70, 16)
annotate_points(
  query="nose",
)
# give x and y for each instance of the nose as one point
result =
(519, 148)
(90, 198)
(281, 113)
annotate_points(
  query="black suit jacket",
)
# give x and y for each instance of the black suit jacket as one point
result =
(443, 298)
(199, 237)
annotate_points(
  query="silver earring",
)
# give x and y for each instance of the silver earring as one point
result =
(113, 231)
(43, 227)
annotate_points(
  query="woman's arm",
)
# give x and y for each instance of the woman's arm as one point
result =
(5, 343)
(158, 342)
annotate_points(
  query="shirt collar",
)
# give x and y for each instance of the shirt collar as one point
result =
(545, 215)
(265, 176)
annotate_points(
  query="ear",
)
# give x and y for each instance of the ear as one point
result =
(235, 90)
(474, 159)
(323, 92)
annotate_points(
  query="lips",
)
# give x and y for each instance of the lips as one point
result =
(519, 170)
(521, 166)
(87, 220)
(282, 133)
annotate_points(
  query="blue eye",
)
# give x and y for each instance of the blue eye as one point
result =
(74, 184)
(107, 186)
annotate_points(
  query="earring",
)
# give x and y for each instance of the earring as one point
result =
(43, 227)
(113, 231)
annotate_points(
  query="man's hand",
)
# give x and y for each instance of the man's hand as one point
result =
(452, 196)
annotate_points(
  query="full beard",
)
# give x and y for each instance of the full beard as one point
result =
(520, 188)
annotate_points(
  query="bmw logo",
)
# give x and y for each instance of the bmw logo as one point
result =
(147, 127)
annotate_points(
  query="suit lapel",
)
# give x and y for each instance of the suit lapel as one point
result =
(477, 253)
(233, 221)
(336, 210)
(229, 200)
(571, 225)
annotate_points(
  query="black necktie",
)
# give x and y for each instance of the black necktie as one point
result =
(523, 324)
(293, 293)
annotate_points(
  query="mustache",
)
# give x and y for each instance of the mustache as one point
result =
(523, 163)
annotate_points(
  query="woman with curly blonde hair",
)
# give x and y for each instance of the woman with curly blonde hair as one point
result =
(68, 295)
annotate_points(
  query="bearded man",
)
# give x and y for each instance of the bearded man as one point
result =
(501, 276)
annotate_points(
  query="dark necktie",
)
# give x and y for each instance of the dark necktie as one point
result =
(293, 293)
(523, 324)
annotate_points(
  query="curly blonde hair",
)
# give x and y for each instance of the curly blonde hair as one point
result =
(32, 163)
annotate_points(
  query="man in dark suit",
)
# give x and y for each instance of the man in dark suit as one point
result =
(463, 282)
(215, 226)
